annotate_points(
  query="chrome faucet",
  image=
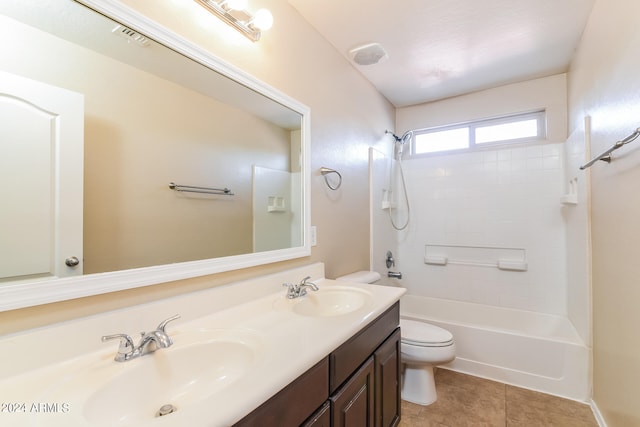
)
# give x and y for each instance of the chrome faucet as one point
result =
(394, 274)
(149, 342)
(300, 290)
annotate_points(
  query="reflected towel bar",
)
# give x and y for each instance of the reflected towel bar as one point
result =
(606, 155)
(203, 190)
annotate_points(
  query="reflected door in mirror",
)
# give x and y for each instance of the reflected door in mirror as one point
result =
(40, 224)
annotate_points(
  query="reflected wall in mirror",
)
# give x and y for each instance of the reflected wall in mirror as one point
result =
(153, 116)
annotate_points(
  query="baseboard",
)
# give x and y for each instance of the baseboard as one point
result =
(596, 413)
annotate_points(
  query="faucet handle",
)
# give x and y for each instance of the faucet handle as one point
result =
(292, 290)
(163, 324)
(126, 344)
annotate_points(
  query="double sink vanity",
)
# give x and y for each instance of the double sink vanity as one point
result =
(247, 353)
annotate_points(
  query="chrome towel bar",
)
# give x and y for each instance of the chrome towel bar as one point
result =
(203, 190)
(606, 155)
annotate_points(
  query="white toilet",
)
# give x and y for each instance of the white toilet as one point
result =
(422, 347)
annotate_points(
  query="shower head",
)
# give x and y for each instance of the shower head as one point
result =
(406, 137)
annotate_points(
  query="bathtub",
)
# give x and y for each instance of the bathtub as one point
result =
(532, 350)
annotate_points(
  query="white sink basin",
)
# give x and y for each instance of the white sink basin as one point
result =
(132, 392)
(332, 301)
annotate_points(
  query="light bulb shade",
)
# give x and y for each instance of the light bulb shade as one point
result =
(236, 4)
(263, 20)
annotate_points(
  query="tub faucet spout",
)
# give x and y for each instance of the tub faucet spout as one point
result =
(394, 274)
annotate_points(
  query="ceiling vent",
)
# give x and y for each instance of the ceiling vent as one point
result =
(131, 35)
(368, 54)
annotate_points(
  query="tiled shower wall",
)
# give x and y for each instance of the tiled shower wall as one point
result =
(500, 198)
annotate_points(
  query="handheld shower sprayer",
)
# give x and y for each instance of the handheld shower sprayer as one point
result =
(399, 142)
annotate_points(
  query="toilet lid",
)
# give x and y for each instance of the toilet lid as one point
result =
(423, 334)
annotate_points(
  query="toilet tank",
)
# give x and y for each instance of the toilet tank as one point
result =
(361, 277)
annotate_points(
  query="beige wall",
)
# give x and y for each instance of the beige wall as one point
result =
(347, 116)
(604, 83)
(132, 219)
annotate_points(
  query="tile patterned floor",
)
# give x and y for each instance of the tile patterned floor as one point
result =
(467, 401)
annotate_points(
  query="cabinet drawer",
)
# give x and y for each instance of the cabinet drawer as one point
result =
(350, 355)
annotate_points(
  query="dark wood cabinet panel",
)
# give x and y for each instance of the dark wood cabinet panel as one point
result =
(353, 404)
(293, 404)
(387, 381)
(322, 417)
(346, 358)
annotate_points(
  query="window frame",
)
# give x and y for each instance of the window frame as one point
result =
(472, 126)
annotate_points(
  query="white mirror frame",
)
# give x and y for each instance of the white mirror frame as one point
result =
(29, 293)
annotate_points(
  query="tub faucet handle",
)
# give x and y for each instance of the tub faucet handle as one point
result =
(389, 260)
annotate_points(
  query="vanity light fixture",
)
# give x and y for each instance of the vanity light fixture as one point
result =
(233, 13)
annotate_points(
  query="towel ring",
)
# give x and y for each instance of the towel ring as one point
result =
(326, 171)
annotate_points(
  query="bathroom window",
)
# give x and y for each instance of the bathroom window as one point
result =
(517, 128)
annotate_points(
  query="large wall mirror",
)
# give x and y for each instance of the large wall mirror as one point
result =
(131, 157)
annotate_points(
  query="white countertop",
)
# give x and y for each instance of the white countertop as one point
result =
(286, 345)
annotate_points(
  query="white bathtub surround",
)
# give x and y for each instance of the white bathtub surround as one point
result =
(532, 350)
(66, 364)
(501, 198)
(464, 206)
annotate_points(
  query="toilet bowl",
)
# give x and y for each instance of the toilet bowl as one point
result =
(422, 347)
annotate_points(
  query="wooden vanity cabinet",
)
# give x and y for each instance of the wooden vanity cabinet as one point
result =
(357, 385)
(292, 405)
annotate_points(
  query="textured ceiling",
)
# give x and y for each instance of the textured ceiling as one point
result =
(443, 48)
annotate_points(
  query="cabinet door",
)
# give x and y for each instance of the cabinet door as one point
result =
(387, 379)
(322, 417)
(353, 404)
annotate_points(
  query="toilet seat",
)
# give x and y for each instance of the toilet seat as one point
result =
(423, 334)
